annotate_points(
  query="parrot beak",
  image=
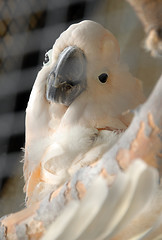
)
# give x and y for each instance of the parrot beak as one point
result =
(68, 78)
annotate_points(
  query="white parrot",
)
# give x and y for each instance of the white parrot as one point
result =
(74, 116)
(75, 111)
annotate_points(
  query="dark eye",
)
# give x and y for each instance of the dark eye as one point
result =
(46, 58)
(103, 77)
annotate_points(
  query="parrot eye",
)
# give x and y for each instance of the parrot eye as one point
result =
(103, 77)
(47, 57)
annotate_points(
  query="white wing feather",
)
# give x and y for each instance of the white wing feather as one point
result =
(104, 212)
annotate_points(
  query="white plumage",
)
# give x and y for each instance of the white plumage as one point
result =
(104, 212)
(59, 138)
(74, 116)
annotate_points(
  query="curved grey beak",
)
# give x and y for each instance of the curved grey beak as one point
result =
(68, 78)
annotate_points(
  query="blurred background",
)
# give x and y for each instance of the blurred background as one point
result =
(27, 30)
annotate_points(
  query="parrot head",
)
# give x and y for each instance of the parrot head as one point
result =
(79, 55)
(85, 64)
(82, 82)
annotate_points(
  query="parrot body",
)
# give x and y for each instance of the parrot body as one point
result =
(75, 111)
(74, 116)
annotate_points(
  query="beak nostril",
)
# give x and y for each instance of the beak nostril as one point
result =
(68, 87)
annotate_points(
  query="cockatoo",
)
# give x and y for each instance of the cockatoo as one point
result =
(73, 118)
(75, 111)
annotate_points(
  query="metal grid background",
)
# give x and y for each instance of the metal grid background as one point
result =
(27, 30)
